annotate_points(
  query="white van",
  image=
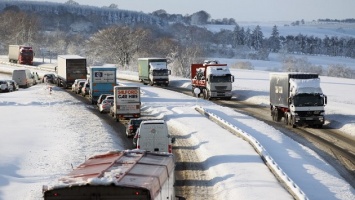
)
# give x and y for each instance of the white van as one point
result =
(23, 77)
(153, 135)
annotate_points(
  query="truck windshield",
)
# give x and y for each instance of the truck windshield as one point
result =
(220, 79)
(27, 53)
(161, 72)
(303, 100)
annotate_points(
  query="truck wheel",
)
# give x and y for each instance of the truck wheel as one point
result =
(278, 115)
(273, 114)
(205, 94)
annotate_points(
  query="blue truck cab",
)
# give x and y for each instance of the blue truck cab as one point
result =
(102, 80)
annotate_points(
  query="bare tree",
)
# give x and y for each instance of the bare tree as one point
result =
(18, 28)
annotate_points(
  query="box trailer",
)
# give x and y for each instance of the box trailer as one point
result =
(69, 68)
(127, 102)
(102, 80)
(120, 175)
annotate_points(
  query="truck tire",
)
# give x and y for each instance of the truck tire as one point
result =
(278, 115)
(205, 94)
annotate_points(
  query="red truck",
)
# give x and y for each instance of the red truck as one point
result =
(21, 54)
(212, 80)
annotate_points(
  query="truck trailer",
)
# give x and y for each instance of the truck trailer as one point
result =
(212, 80)
(298, 98)
(69, 68)
(102, 80)
(153, 71)
(21, 54)
(126, 103)
(126, 175)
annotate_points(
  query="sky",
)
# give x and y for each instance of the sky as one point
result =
(240, 10)
(40, 144)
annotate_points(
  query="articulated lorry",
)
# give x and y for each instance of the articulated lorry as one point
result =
(126, 103)
(153, 71)
(298, 98)
(69, 68)
(126, 175)
(212, 80)
(21, 54)
(102, 80)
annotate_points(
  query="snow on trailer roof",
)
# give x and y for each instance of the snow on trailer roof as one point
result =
(71, 56)
(130, 168)
(218, 70)
(158, 65)
(309, 86)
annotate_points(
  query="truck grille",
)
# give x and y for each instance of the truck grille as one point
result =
(221, 87)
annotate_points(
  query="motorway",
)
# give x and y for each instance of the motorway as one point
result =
(333, 146)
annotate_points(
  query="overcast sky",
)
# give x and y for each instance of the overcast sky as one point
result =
(240, 10)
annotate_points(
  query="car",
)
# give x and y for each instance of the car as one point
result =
(14, 84)
(101, 98)
(85, 89)
(5, 86)
(109, 97)
(49, 78)
(36, 78)
(104, 106)
(75, 84)
(132, 126)
(79, 86)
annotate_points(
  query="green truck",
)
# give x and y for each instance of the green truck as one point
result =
(153, 71)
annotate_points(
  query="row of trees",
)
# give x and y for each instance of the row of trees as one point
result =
(182, 44)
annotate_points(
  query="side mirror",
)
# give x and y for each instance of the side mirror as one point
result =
(173, 140)
(169, 72)
(325, 100)
(232, 79)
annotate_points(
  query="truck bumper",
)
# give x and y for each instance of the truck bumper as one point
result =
(221, 94)
(310, 120)
(161, 81)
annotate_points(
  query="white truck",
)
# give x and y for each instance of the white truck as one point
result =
(127, 102)
(298, 98)
(153, 71)
(212, 80)
(120, 175)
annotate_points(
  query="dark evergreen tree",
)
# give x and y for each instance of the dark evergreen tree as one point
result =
(257, 38)
(248, 38)
(274, 40)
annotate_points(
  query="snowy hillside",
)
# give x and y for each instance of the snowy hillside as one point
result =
(316, 29)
